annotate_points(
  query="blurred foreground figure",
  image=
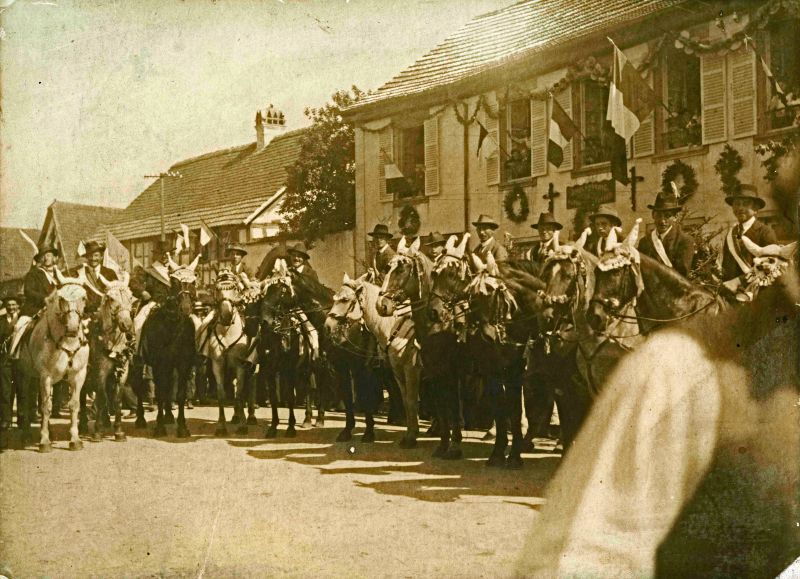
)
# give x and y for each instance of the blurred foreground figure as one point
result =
(688, 465)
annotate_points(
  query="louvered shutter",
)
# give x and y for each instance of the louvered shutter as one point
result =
(490, 145)
(644, 139)
(564, 98)
(743, 92)
(385, 156)
(712, 88)
(431, 130)
(539, 137)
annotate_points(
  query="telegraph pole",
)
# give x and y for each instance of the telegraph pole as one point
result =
(162, 176)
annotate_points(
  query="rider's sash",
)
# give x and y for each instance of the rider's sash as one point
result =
(658, 245)
(734, 253)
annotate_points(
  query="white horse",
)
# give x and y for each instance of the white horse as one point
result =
(57, 349)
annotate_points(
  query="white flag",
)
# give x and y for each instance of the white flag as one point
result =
(205, 234)
(81, 248)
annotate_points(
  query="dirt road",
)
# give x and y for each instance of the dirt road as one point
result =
(248, 507)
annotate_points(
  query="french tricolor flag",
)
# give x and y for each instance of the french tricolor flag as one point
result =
(561, 131)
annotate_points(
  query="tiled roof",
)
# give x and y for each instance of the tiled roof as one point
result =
(76, 222)
(221, 188)
(15, 253)
(518, 31)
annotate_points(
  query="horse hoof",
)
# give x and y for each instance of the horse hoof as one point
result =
(527, 446)
(408, 443)
(369, 436)
(120, 437)
(221, 430)
(307, 422)
(140, 422)
(236, 419)
(319, 423)
(96, 437)
(345, 435)
(251, 420)
(291, 432)
(454, 454)
(271, 432)
(182, 432)
(160, 430)
(46, 447)
(242, 429)
(75, 445)
(440, 451)
(496, 460)
(169, 418)
(514, 462)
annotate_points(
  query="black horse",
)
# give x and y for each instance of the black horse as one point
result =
(168, 346)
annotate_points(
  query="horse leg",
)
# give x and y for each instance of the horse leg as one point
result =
(182, 374)
(83, 419)
(169, 393)
(513, 380)
(453, 413)
(161, 400)
(250, 382)
(219, 374)
(291, 398)
(241, 393)
(99, 377)
(75, 386)
(117, 385)
(496, 392)
(409, 386)
(307, 397)
(321, 386)
(440, 413)
(346, 385)
(46, 385)
(272, 430)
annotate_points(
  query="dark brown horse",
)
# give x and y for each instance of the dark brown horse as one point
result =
(168, 346)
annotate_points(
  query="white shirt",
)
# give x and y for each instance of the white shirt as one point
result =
(50, 276)
(748, 224)
(663, 235)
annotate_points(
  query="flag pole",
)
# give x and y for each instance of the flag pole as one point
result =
(666, 108)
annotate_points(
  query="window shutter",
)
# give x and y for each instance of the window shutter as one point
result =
(385, 156)
(743, 92)
(644, 139)
(490, 145)
(431, 132)
(538, 137)
(712, 89)
(564, 98)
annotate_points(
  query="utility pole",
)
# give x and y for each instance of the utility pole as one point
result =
(162, 176)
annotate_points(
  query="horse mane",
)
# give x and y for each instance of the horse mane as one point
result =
(308, 288)
(673, 280)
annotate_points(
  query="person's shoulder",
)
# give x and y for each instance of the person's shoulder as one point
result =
(108, 273)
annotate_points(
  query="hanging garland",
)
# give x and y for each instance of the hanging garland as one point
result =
(774, 151)
(516, 205)
(687, 175)
(728, 165)
(409, 220)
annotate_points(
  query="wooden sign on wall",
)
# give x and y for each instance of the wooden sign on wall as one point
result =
(594, 193)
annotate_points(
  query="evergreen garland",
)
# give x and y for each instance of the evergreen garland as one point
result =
(513, 196)
(727, 166)
(679, 169)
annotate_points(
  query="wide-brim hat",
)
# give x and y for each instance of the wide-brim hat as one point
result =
(380, 230)
(236, 248)
(743, 194)
(485, 221)
(93, 247)
(607, 211)
(547, 218)
(299, 249)
(666, 203)
(435, 238)
(45, 248)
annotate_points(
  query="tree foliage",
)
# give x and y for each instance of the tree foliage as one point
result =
(320, 185)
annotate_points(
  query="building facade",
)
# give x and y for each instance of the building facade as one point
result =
(464, 130)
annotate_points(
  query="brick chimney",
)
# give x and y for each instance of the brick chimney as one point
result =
(270, 119)
(259, 131)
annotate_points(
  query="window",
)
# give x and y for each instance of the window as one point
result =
(784, 57)
(141, 251)
(597, 131)
(682, 125)
(518, 164)
(411, 162)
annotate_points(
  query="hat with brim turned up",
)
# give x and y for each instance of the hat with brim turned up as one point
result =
(609, 212)
(665, 204)
(547, 218)
(236, 248)
(380, 230)
(436, 238)
(485, 221)
(747, 192)
(44, 249)
(299, 249)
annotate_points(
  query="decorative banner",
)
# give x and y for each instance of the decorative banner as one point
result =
(594, 193)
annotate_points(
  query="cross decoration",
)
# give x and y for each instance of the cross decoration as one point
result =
(551, 198)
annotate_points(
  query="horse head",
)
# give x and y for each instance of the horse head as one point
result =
(563, 273)
(67, 304)
(492, 304)
(183, 284)
(449, 281)
(226, 296)
(615, 281)
(250, 298)
(408, 279)
(117, 304)
(346, 309)
(279, 296)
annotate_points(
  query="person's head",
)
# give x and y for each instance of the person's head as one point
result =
(744, 209)
(602, 225)
(238, 252)
(664, 220)
(94, 254)
(546, 232)
(12, 306)
(298, 255)
(380, 235)
(484, 232)
(546, 226)
(160, 251)
(47, 258)
(485, 227)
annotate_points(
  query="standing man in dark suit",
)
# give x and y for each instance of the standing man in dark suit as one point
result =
(668, 243)
(486, 226)
(735, 261)
(95, 272)
(298, 261)
(383, 252)
(547, 227)
(602, 221)
(8, 382)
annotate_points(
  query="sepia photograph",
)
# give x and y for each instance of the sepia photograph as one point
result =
(432, 288)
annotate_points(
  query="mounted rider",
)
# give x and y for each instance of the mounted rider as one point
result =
(383, 254)
(298, 261)
(40, 282)
(735, 260)
(538, 252)
(668, 243)
(239, 269)
(97, 275)
(602, 221)
(485, 227)
(157, 277)
(436, 245)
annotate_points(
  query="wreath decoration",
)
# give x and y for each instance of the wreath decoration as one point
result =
(686, 173)
(409, 220)
(516, 195)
